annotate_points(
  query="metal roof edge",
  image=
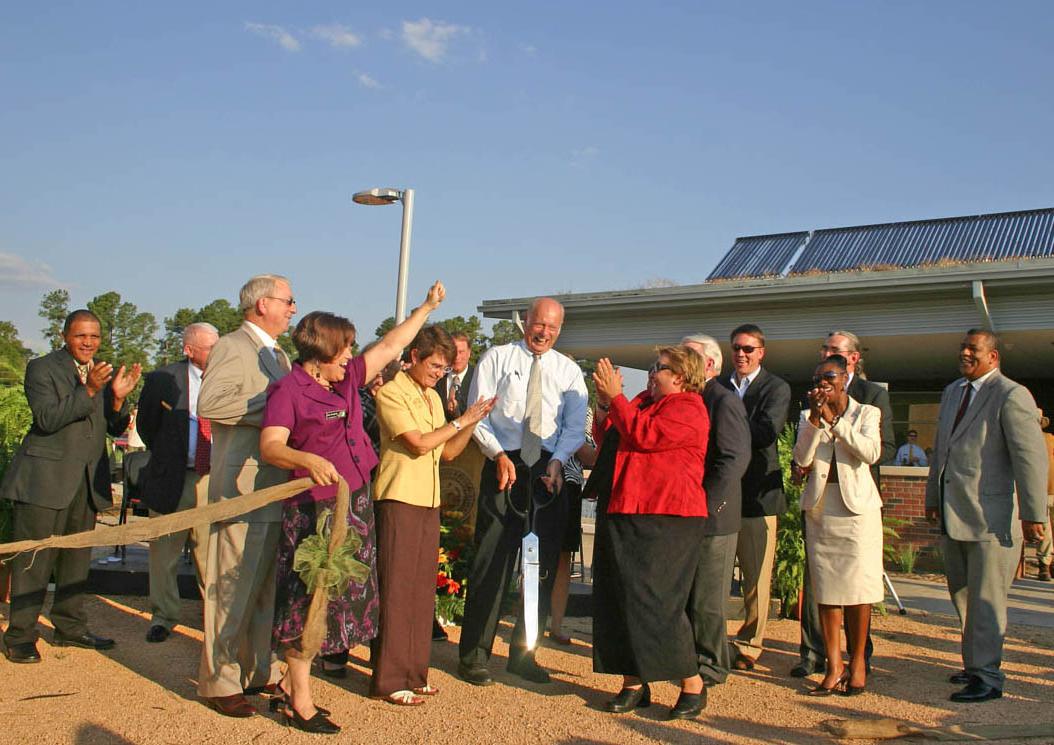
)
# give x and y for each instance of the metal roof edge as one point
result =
(893, 281)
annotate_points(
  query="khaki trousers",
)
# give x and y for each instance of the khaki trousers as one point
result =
(1045, 552)
(165, 553)
(756, 549)
(239, 609)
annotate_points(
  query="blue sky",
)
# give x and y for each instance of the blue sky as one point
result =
(169, 151)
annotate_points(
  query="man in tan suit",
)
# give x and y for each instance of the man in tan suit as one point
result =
(236, 657)
(986, 489)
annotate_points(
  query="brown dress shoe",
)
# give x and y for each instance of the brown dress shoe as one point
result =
(235, 705)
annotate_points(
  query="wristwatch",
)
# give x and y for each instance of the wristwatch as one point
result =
(455, 424)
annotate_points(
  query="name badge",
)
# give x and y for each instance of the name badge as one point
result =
(339, 414)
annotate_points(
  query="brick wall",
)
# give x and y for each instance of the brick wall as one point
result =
(904, 497)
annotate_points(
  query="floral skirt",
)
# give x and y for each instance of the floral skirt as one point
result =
(350, 619)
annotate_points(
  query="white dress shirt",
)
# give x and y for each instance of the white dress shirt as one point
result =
(503, 372)
(265, 338)
(193, 389)
(741, 386)
(976, 386)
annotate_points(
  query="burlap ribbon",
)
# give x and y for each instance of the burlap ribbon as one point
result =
(329, 571)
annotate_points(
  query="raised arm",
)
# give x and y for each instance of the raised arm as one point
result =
(389, 347)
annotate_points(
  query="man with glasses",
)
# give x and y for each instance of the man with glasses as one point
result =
(986, 490)
(538, 424)
(236, 656)
(767, 400)
(847, 345)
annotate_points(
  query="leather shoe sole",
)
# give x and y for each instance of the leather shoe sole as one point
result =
(84, 641)
(22, 654)
(476, 675)
(975, 693)
(742, 662)
(157, 634)
(236, 706)
(689, 705)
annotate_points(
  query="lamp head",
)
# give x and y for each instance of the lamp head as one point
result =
(377, 196)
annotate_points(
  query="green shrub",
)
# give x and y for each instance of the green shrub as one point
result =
(15, 418)
(788, 571)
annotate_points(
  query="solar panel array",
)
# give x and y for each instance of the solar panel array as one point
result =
(954, 240)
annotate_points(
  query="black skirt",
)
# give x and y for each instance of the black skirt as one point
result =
(643, 567)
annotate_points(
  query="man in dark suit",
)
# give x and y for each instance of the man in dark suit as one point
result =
(987, 490)
(176, 476)
(767, 400)
(846, 344)
(453, 387)
(727, 457)
(59, 479)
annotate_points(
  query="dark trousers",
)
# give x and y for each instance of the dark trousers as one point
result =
(811, 647)
(708, 603)
(500, 527)
(31, 573)
(407, 547)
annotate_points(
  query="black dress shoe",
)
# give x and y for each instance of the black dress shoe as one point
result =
(157, 634)
(528, 669)
(805, 668)
(629, 699)
(689, 705)
(976, 691)
(477, 675)
(87, 640)
(23, 654)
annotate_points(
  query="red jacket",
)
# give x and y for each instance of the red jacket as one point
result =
(661, 455)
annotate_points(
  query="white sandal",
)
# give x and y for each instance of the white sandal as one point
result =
(404, 698)
(427, 690)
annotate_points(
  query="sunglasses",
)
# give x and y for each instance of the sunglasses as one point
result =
(830, 377)
(655, 368)
(745, 348)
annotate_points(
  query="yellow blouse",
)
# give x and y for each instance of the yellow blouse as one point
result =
(402, 475)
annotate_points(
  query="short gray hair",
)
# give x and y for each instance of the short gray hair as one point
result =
(257, 288)
(711, 349)
(194, 329)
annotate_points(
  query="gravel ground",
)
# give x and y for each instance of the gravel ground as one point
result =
(144, 693)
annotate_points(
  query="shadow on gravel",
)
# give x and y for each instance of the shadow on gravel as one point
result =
(93, 734)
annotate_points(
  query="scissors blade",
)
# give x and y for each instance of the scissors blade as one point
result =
(529, 552)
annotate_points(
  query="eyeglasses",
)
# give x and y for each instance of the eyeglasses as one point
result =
(834, 350)
(829, 376)
(745, 348)
(655, 368)
(287, 300)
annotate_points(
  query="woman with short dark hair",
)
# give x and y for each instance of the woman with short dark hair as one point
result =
(312, 425)
(415, 436)
(838, 439)
(647, 542)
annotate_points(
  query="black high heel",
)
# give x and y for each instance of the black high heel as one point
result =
(316, 725)
(839, 686)
(629, 699)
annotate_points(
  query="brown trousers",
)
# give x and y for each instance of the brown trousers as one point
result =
(407, 554)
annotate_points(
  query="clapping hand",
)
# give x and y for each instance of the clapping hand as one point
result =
(608, 380)
(478, 411)
(125, 381)
(817, 402)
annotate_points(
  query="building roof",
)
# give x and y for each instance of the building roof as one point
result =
(952, 240)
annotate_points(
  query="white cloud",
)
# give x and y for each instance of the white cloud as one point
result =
(430, 39)
(583, 155)
(337, 35)
(277, 34)
(366, 81)
(17, 273)
(529, 49)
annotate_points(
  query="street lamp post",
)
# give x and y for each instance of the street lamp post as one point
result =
(389, 196)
